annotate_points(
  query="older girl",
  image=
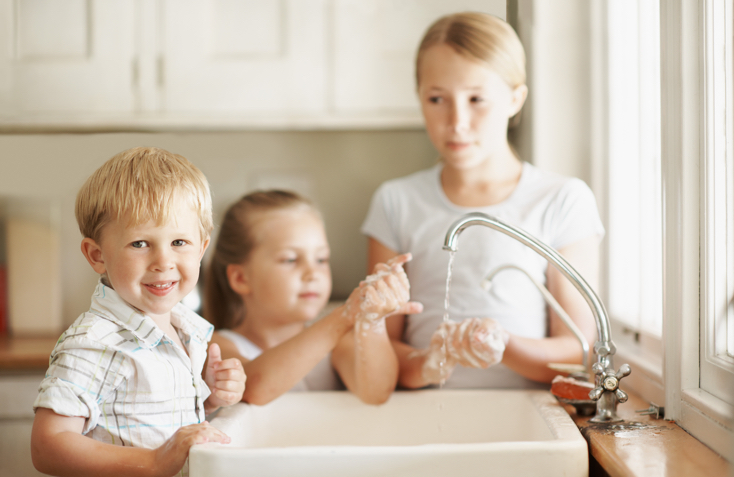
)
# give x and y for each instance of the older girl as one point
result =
(269, 276)
(470, 73)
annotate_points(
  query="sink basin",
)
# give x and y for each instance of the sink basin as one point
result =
(416, 433)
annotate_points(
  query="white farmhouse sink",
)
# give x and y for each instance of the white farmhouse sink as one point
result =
(416, 433)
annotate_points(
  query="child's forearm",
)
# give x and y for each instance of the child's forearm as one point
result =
(367, 364)
(278, 369)
(410, 362)
(530, 357)
(59, 448)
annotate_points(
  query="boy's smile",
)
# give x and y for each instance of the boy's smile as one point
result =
(152, 267)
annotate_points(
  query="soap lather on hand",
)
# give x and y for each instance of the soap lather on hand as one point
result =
(473, 342)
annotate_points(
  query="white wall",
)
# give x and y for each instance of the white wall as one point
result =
(556, 128)
(341, 169)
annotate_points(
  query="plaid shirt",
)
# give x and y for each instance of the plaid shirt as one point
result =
(116, 368)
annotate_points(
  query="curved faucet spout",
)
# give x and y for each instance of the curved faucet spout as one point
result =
(604, 347)
(597, 308)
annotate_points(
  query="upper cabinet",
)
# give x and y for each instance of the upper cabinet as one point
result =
(214, 64)
(374, 46)
(75, 56)
(245, 56)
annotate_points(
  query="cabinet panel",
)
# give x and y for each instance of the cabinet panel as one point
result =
(17, 394)
(69, 57)
(15, 448)
(52, 29)
(374, 49)
(244, 56)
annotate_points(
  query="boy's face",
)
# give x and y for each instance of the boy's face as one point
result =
(152, 267)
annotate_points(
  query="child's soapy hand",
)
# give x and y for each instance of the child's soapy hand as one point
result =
(171, 456)
(225, 378)
(473, 342)
(385, 292)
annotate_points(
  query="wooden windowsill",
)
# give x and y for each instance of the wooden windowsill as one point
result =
(647, 447)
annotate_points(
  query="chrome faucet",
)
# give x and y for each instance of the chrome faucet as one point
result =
(606, 393)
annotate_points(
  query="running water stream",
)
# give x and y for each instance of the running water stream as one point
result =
(446, 317)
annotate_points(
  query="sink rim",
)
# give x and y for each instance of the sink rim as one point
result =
(565, 433)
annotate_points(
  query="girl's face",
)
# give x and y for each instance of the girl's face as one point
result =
(466, 106)
(287, 276)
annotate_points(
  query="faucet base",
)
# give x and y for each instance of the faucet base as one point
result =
(606, 409)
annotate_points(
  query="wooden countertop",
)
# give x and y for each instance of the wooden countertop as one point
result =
(25, 353)
(646, 446)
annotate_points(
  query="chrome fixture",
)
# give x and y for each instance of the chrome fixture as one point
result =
(583, 373)
(606, 393)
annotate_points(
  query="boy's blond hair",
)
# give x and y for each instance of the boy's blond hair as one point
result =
(142, 184)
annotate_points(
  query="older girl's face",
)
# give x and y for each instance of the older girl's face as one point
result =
(466, 106)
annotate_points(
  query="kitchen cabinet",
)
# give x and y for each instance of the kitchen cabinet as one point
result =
(374, 50)
(69, 57)
(244, 56)
(17, 393)
(213, 64)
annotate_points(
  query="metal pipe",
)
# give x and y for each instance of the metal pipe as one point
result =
(553, 303)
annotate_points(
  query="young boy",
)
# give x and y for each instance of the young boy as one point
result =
(128, 372)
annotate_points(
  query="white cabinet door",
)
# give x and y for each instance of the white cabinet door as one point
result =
(374, 49)
(17, 394)
(245, 56)
(66, 57)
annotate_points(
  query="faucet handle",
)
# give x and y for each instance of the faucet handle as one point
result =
(609, 381)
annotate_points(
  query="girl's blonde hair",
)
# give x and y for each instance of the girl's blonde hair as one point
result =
(139, 185)
(482, 37)
(223, 307)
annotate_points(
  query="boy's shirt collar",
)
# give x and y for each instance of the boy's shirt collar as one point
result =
(106, 302)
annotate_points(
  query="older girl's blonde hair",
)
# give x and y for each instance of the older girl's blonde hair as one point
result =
(142, 184)
(481, 37)
(223, 307)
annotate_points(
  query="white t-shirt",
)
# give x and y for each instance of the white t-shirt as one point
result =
(322, 377)
(412, 214)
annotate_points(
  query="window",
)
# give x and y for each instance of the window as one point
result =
(696, 86)
(665, 174)
(630, 169)
(717, 270)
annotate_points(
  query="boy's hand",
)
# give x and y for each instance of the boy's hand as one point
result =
(171, 456)
(385, 292)
(225, 378)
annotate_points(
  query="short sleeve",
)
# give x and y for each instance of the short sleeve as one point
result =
(81, 376)
(380, 223)
(575, 216)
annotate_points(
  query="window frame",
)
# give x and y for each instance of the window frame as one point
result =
(717, 367)
(689, 145)
(636, 346)
(696, 132)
